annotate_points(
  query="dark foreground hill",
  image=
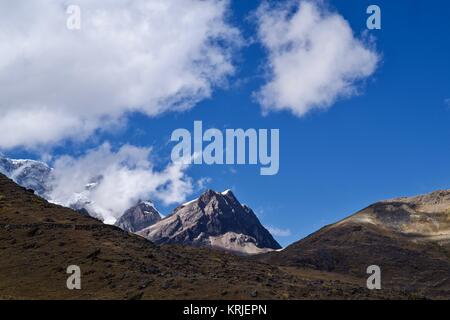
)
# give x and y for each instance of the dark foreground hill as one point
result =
(408, 238)
(39, 240)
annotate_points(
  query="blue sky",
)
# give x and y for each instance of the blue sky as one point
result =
(389, 140)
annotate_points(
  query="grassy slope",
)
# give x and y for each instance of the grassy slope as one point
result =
(39, 240)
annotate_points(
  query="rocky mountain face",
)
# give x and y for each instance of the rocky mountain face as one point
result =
(138, 217)
(408, 238)
(216, 220)
(39, 240)
(27, 173)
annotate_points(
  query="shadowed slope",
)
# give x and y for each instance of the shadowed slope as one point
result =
(39, 240)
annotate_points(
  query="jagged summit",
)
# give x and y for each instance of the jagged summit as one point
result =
(214, 219)
(138, 217)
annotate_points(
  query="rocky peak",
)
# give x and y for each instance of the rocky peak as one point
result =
(138, 217)
(210, 220)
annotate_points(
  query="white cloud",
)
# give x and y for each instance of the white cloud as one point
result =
(447, 102)
(107, 183)
(277, 232)
(203, 182)
(314, 58)
(150, 56)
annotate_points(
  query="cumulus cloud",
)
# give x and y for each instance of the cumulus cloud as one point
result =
(107, 182)
(203, 182)
(146, 56)
(314, 57)
(277, 232)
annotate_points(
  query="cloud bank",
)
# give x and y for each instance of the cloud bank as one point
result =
(146, 56)
(107, 182)
(314, 58)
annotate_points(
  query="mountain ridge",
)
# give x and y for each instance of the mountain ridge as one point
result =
(31, 174)
(246, 236)
(214, 219)
(39, 240)
(407, 237)
(138, 217)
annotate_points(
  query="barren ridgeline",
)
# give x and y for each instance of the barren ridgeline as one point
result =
(40, 240)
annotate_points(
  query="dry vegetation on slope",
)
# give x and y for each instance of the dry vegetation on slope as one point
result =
(407, 237)
(39, 240)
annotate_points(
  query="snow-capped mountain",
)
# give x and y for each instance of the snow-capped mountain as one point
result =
(81, 201)
(30, 174)
(214, 219)
(36, 175)
(138, 217)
